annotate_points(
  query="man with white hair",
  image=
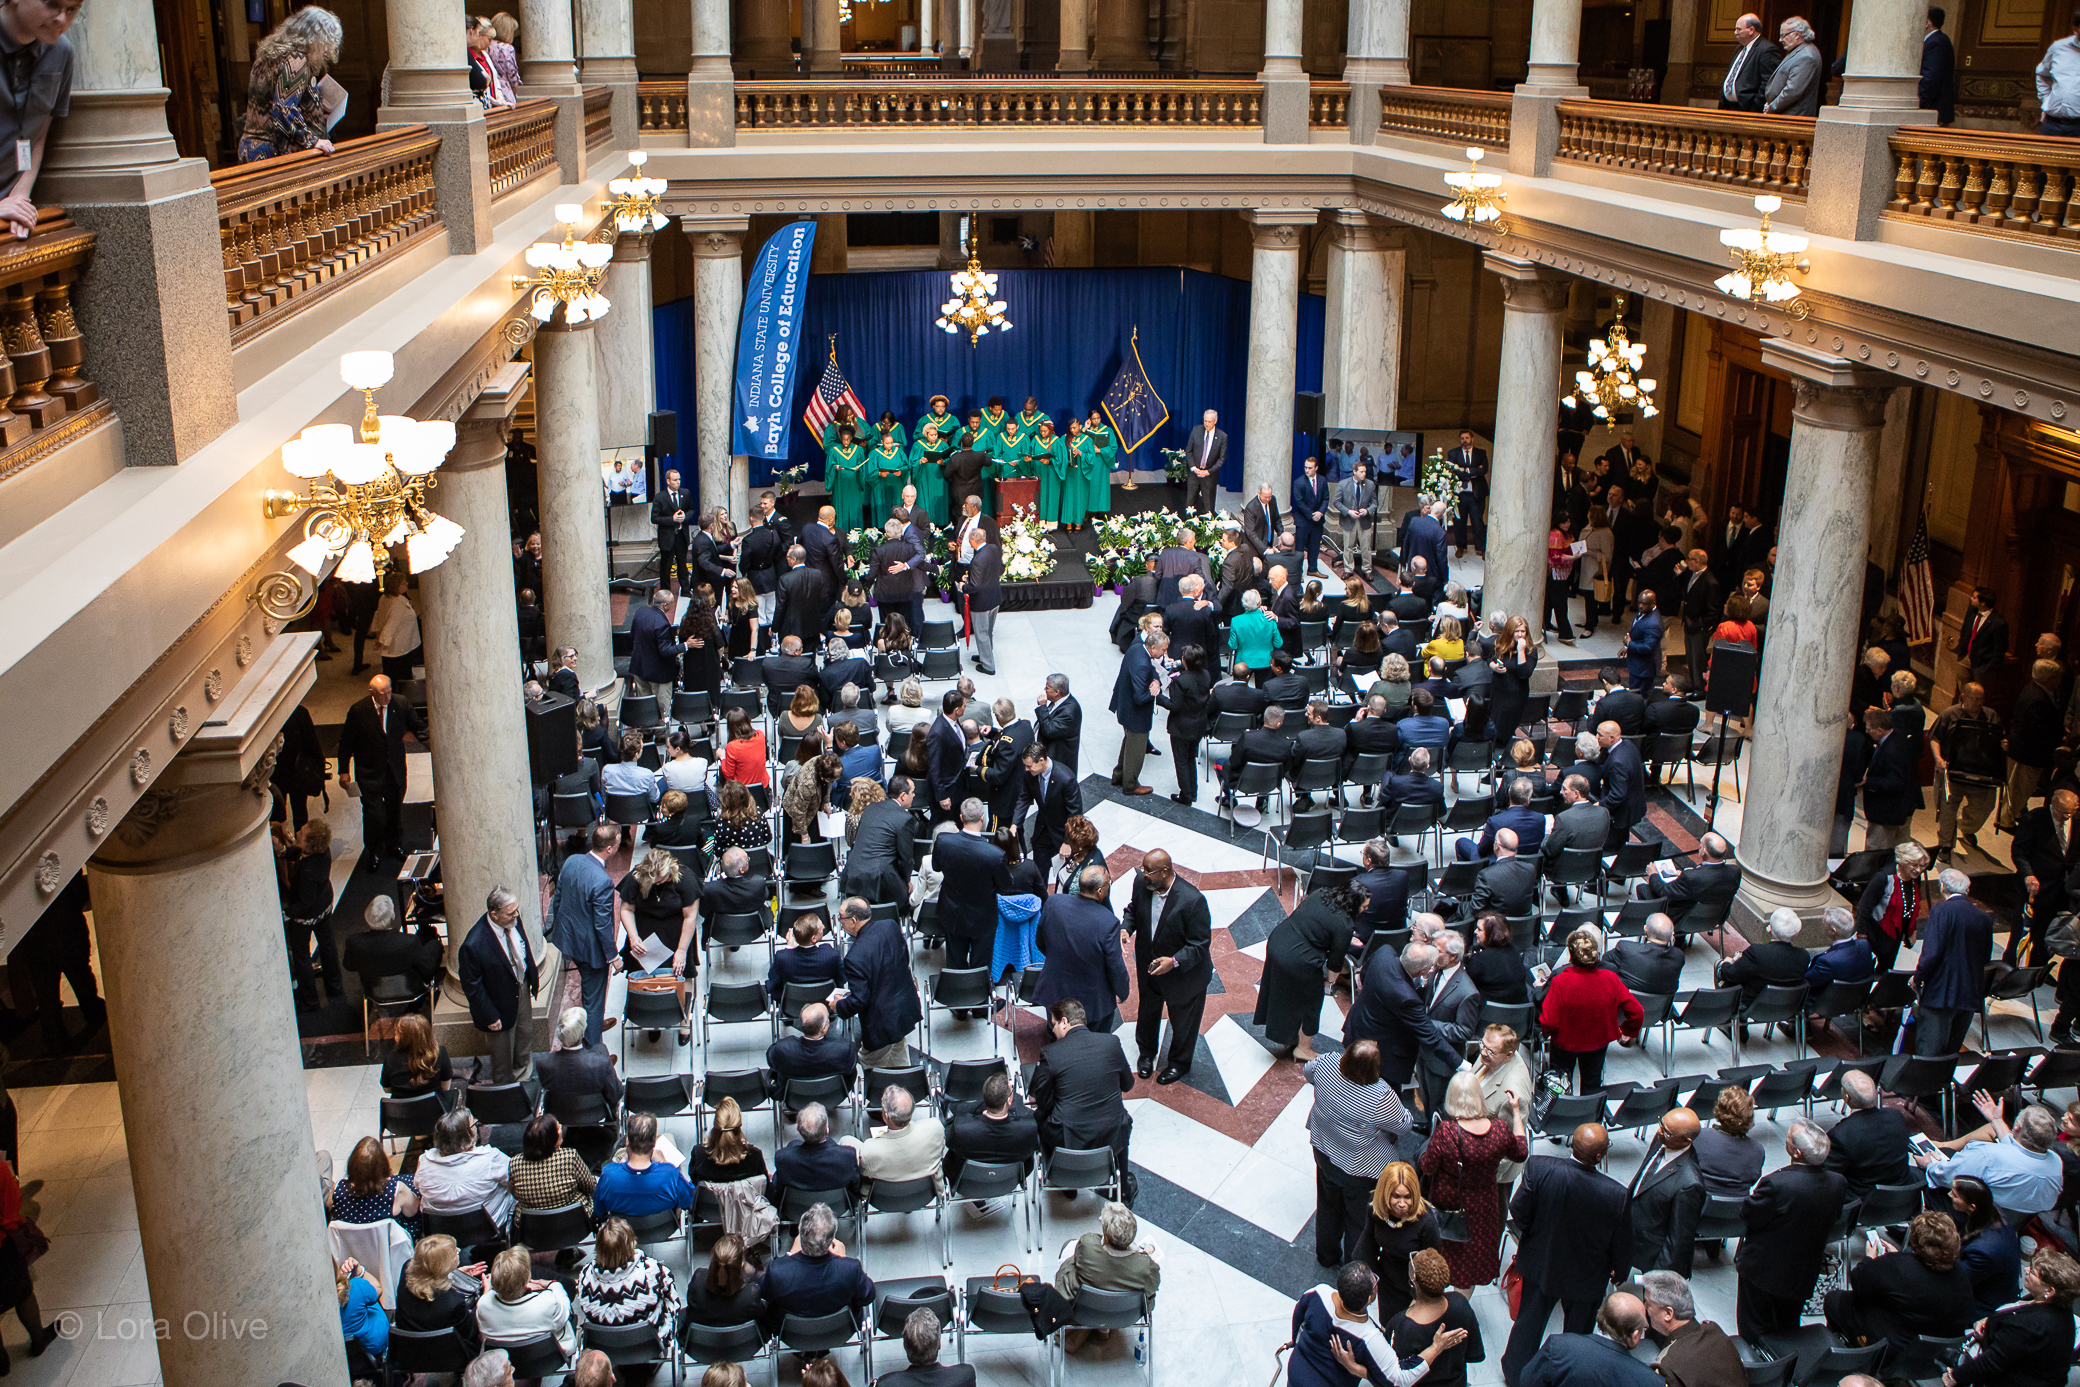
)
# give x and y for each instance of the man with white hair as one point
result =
(1776, 962)
(385, 951)
(1868, 1148)
(575, 1069)
(1652, 963)
(1110, 1259)
(653, 662)
(1455, 1009)
(816, 1278)
(1391, 1010)
(1794, 88)
(1848, 956)
(907, 1147)
(1698, 1353)
(2018, 1165)
(842, 666)
(1790, 1218)
(490, 1369)
(1956, 945)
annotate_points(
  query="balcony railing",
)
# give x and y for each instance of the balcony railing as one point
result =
(2020, 185)
(523, 145)
(888, 65)
(295, 228)
(1115, 103)
(1763, 154)
(1328, 105)
(45, 402)
(1447, 113)
(660, 107)
(599, 118)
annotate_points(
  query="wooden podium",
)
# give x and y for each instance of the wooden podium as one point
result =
(1013, 492)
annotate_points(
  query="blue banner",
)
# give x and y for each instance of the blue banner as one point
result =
(769, 340)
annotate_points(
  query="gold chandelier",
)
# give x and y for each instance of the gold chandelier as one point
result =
(633, 205)
(367, 490)
(974, 305)
(1612, 383)
(1477, 197)
(570, 271)
(1763, 261)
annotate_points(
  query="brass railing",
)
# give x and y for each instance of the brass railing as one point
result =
(660, 107)
(294, 228)
(1754, 153)
(599, 118)
(44, 400)
(2021, 185)
(1447, 113)
(888, 65)
(523, 144)
(1105, 102)
(1328, 105)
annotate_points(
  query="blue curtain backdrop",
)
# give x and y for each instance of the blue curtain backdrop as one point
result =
(1070, 332)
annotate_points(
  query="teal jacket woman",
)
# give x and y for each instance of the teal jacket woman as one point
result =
(1253, 635)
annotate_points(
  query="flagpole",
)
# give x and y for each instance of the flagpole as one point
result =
(1133, 340)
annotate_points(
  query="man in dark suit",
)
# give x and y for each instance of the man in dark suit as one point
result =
(1058, 722)
(1667, 1197)
(814, 1162)
(963, 472)
(1391, 1011)
(1396, 639)
(981, 594)
(1849, 958)
(1261, 522)
(1602, 1359)
(1669, 713)
(1790, 1216)
(787, 670)
(1623, 706)
(804, 598)
(1956, 946)
(1003, 763)
(884, 851)
(1574, 1237)
(1310, 500)
(1191, 619)
(762, 555)
(496, 966)
(1079, 937)
(1316, 741)
(1470, 466)
(1204, 454)
(1751, 68)
(842, 667)
(921, 1330)
(1386, 889)
(1077, 1087)
(1285, 687)
(1702, 601)
(1868, 1148)
(1891, 783)
(380, 951)
(1624, 784)
(1234, 560)
(814, 1054)
(1982, 638)
(995, 1130)
(1509, 883)
(1621, 456)
(709, 565)
(2035, 730)
(1268, 745)
(1173, 963)
(1938, 89)
(1177, 562)
(737, 891)
(371, 744)
(1713, 880)
(1134, 692)
(1051, 795)
(1454, 1002)
(1426, 541)
(1237, 694)
(824, 551)
(898, 571)
(1411, 787)
(1652, 963)
(2046, 853)
(975, 875)
(653, 660)
(1528, 826)
(946, 757)
(668, 514)
(1583, 823)
(877, 986)
(1369, 734)
(1774, 962)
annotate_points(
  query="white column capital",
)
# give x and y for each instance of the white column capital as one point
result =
(1830, 392)
(1279, 229)
(1528, 287)
(715, 238)
(1353, 230)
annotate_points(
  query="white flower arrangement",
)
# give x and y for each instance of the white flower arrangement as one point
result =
(1126, 543)
(1028, 552)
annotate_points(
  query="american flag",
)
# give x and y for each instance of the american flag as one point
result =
(833, 390)
(1917, 587)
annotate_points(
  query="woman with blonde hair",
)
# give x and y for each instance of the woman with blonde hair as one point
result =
(361, 1317)
(515, 1307)
(1460, 1162)
(802, 715)
(625, 1285)
(285, 112)
(1516, 660)
(906, 706)
(1449, 644)
(864, 793)
(1394, 684)
(504, 59)
(725, 1155)
(741, 616)
(1401, 1223)
(427, 1300)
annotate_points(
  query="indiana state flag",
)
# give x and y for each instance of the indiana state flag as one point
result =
(1131, 402)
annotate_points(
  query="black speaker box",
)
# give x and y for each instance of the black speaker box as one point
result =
(664, 433)
(1307, 412)
(1729, 685)
(552, 737)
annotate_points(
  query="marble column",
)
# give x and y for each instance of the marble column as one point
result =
(1074, 232)
(711, 85)
(1889, 499)
(1361, 330)
(718, 302)
(826, 56)
(573, 506)
(162, 345)
(625, 359)
(1076, 40)
(1551, 76)
(1274, 332)
(761, 42)
(608, 39)
(1283, 79)
(1852, 174)
(429, 85)
(1520, 483)
(1802, 701)
(549, 69)
(1682, 51)
(1120, 43)
(485, 803)
(927, 36)
(1376, 45)
(214, 1113)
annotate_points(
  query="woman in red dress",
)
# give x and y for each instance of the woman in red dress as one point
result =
(1459, 1171)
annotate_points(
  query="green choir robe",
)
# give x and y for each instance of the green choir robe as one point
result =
(949, 428)
(1012, 451)
(928, 479)
(861, 434)
(1090, 477)
(1029, 424)
(885, 493)
(841, 473)
(895, 427)
(1057, 480)
(993, 425)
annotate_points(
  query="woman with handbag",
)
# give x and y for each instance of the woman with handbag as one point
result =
(23, 1244)
(1460, 1165)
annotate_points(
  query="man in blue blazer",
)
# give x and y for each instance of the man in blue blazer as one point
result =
(975, 875)
(1079, 938)
(1391, 1011)
(1847, 959)
(1519, 818)
(1134, 704)
(877, 987)
(1415, 786)
(1956, 946)
(653, 657)
(946, 757)
(584, 929)
(1624, 784)
(1600, 1359)
(497, 967)
(1643, 643)
(1575, 1239)
(1310, 500)
(1426, 540)
(1891, 783)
